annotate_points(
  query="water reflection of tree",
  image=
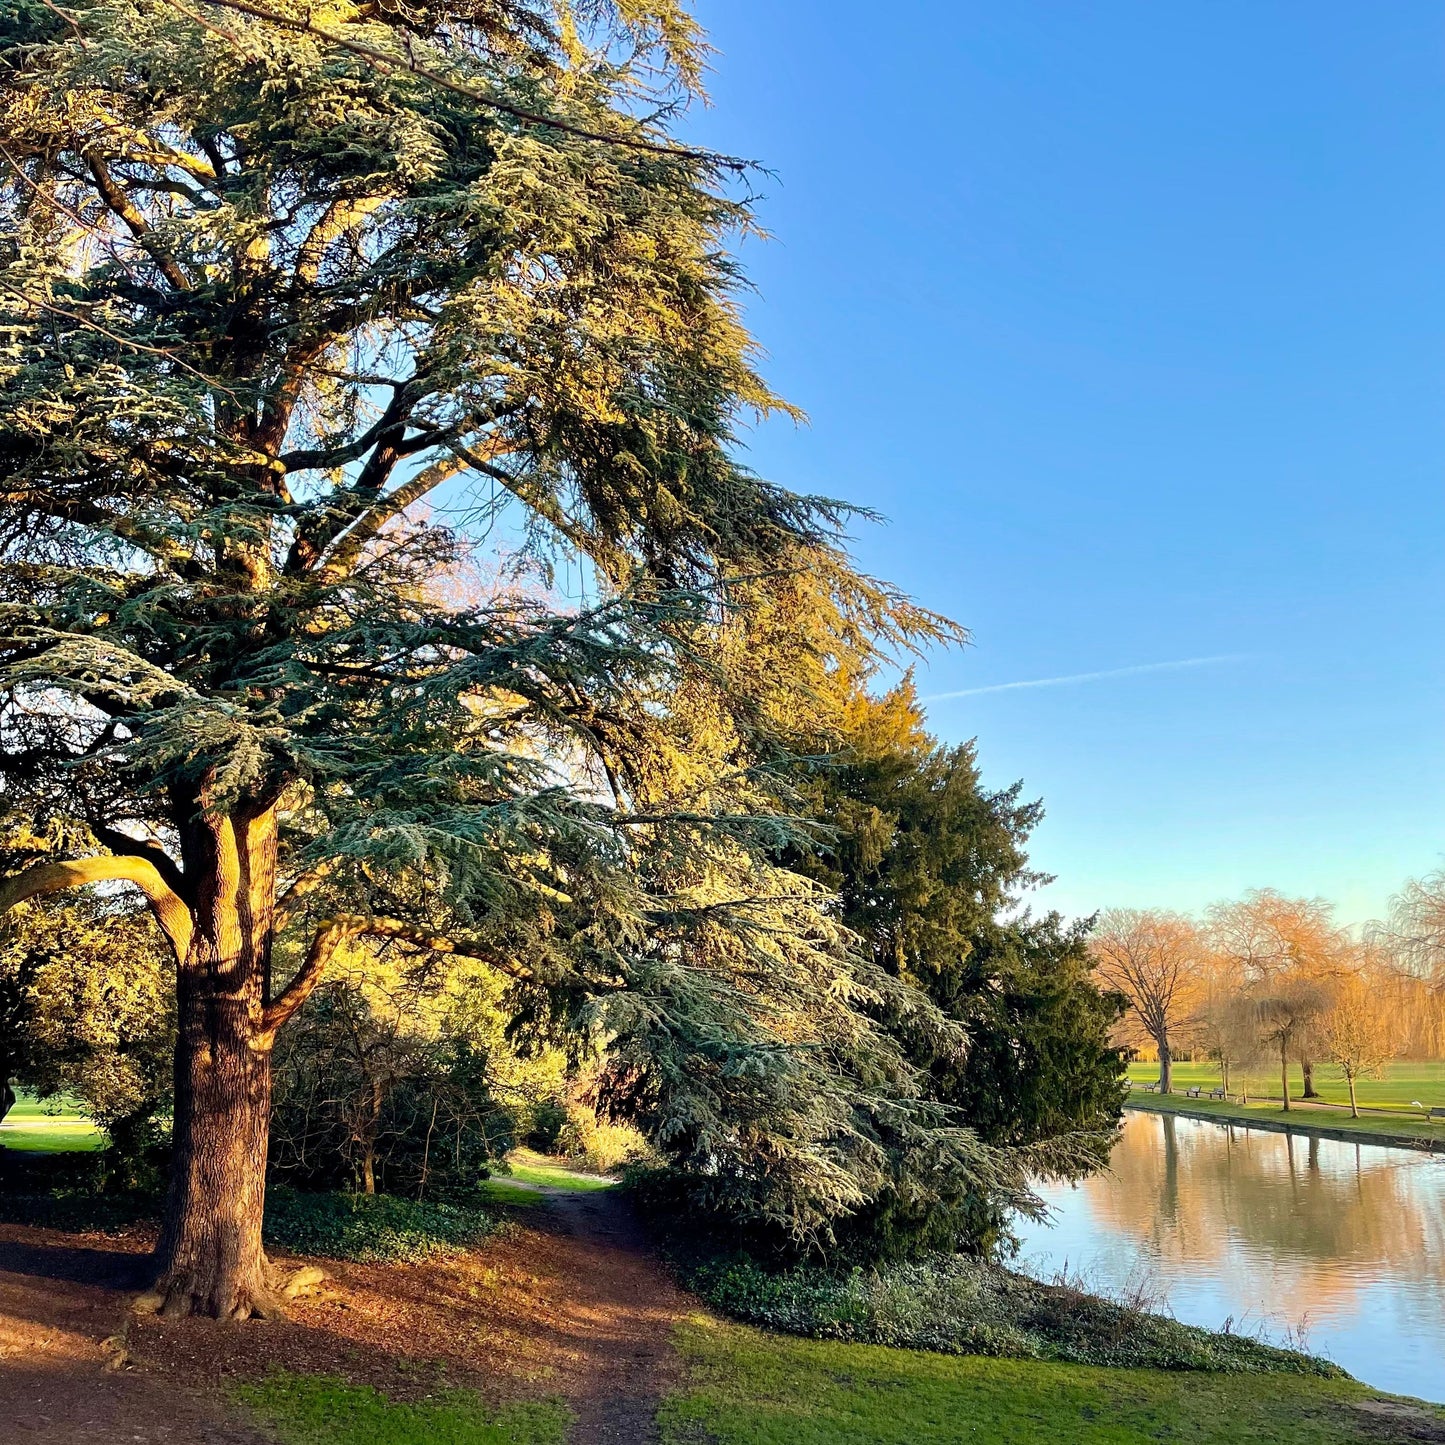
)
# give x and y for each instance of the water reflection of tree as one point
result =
(1303, 1214)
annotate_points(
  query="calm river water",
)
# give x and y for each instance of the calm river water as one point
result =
(1346, 1241)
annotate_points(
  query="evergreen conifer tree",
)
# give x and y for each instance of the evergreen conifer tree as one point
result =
(296, 302)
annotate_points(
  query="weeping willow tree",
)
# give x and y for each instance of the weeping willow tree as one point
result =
(302, 305)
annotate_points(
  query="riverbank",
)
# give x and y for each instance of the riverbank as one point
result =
(1396, 1131)
(1403, 1086)
(563, 1330)
(742, 1386)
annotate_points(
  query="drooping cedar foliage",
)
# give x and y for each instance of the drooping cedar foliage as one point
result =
(303, 307)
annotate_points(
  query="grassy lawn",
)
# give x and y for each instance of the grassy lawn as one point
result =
(314, 1410)
(529, 1167)
(744, 1387)
(1403, 1083)
(50, 1127)
(499, 1189)
(1369, 1127)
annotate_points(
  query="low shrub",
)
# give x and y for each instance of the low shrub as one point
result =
(958, 1305)
(597, 1146)
(78, 1211)
(544, 1124)
(372, 1228)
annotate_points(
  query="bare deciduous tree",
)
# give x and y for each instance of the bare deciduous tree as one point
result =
(1417, 927)
(1356, 1033)
(1288, 1009)
(1285, 949)
(1153, 958)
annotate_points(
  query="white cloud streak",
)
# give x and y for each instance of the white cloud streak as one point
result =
(1178, 665)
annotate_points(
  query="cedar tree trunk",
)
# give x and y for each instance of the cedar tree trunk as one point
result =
(209, 1259)
(218, 911)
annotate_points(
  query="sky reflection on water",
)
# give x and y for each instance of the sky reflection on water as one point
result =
(1345, 1242)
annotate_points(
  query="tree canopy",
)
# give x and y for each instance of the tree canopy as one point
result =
(332, 337)
(932, 875)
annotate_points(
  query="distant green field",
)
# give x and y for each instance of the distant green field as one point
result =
(1403, 1083)
(52, 1127)
(1376, 1127)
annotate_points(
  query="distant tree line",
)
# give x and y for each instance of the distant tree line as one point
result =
(1274, 979)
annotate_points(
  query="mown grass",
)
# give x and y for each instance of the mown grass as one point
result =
(500, 1190)
(529, 1167)
(1404, 1082)
(318, 1410)
(1380, 1128)
(52, 1127)
(745, 1387)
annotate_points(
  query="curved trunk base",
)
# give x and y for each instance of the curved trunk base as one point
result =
(217, 1295)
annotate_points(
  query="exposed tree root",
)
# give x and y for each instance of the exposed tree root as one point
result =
(183, 1294)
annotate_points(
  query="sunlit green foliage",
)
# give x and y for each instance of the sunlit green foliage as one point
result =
(87, 1014)
(401, 1079)
(312, 319)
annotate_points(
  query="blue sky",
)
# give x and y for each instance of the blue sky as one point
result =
(1131, 319)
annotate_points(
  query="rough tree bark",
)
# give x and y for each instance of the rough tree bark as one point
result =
(210, 1259)
(217, 909)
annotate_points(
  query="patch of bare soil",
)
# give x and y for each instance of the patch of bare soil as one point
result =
(64, 1378)
(1402, 1420)
(568, 1304)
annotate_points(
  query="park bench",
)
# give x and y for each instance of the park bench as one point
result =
(1216, 1093)
(1151, 1088)
(1192, 1093)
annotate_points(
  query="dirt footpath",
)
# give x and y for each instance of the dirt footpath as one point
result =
(569, 1303)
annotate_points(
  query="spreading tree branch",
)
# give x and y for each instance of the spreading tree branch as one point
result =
(332, 932)
(407, 63)
(40, 878)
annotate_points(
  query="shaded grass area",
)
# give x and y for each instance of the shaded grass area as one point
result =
(1373, 1128)
(317, 1410)
(1403, 1083)
(958, 1305)
(744, 1387)
(51, 1127)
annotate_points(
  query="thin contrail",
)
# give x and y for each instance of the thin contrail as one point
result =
(1178, 665)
